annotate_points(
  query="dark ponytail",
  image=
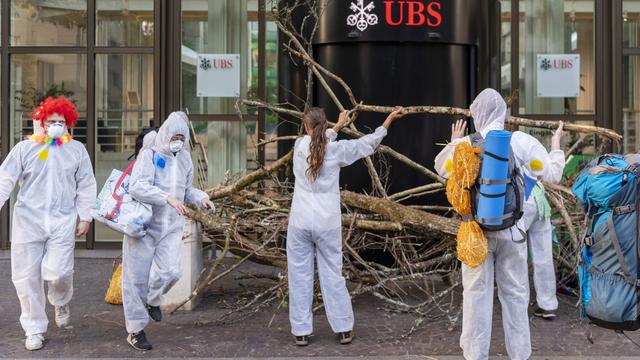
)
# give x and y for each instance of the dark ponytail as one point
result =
(140, 140)
(316, 120)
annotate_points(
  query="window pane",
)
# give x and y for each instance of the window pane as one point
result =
(217, 27)
(124, 23)
(34, 77)
(556, 27)
(49, 23)
(271, 77)
(631, 105)
(213, 27)
(227, 146)
(124, 106)
(631, 23)
(505, 48)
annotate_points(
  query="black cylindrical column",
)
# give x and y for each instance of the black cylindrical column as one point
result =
(396, 52)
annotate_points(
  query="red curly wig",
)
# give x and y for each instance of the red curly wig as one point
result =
(60, 105)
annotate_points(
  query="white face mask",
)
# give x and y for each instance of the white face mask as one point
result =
(176, 146)
(55, 130)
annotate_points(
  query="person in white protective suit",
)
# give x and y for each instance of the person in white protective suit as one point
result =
(149, 140)
(57, 187)
(507, 257)
(163, 178)
(315, 222)
(537, 219)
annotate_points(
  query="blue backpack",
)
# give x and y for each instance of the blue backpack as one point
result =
(608, 267)
(514, 194)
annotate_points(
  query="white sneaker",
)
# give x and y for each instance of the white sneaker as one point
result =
(63, 316)
(34, 342)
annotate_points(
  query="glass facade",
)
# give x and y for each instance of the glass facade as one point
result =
(631, 23)
(631, 74)
(556, 27)
(216, 27)
(48, 23)
(109, 57)
(124, 106)
(551, 27)
(124, 23)
(105, 55)
(505, 49)
(34, 77)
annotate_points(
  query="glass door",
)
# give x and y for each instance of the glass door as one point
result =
(125, 79)
(631, 75)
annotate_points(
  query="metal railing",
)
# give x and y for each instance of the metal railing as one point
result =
(119, 133)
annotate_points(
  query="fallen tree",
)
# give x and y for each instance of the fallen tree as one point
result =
(419, 241)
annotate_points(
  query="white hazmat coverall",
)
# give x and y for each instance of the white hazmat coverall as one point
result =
(55, 190)
(537, 219)
(157, 174)
(507, 257)
(315, 224)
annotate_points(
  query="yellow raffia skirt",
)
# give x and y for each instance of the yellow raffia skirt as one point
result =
(472, 247)
(114, 292)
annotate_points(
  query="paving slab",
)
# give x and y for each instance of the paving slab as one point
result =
(98, 329)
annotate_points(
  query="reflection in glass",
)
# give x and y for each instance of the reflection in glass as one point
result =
(124, 23)
(37, 76)
(124, 106)
(214, 27)
(631, 104)
(217, 27)
(48, 23)
(271, 79)
(505, 48)
(631, 23)
(556, 27)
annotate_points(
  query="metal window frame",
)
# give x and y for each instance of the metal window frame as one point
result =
(175, 77)
(167, 84)
(90, 51)
(4, 110)
(515, 68)
(625, 52)
(608, 66)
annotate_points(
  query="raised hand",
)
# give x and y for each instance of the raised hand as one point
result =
(397, 113)
(458, 129)
(557, 137)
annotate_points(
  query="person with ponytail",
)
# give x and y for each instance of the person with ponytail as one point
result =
(315, 221)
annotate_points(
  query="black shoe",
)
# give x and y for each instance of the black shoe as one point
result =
(302, 340)
(154, 312)
(345, 337)
(139, 341)
(545, 314)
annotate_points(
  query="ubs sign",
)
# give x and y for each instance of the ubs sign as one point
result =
(558, 75)
(411, 13)
(443, 21)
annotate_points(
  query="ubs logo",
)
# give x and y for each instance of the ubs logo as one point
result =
(558, 64)
(205, 64)
(363, 16)
(397, 13)
(216, 64)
